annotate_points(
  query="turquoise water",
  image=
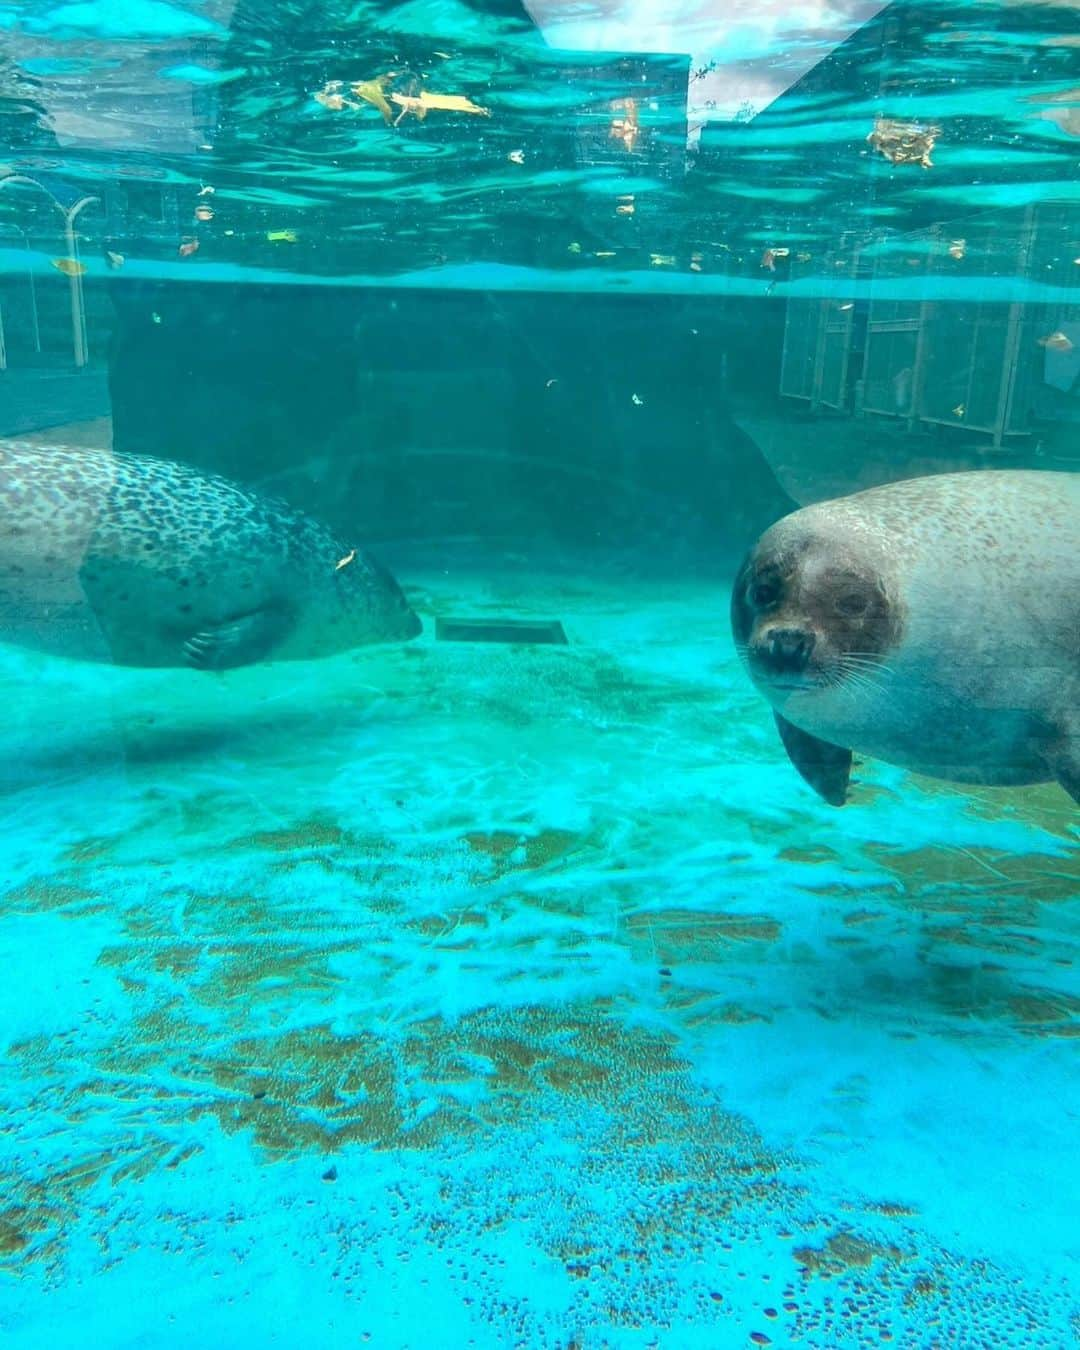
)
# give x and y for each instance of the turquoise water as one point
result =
(506, 992)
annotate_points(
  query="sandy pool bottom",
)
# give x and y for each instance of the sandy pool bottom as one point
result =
(466, 995)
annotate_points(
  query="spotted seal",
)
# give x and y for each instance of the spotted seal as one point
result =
(146, 562)
(933, 623)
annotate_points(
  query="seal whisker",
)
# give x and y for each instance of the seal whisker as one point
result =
(868, 674)
(849, 662)
(867, 659)
(852, 677)
(874, 670)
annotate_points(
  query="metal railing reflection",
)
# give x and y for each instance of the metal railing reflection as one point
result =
(69, 214)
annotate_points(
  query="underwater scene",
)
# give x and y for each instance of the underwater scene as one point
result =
(540, 656)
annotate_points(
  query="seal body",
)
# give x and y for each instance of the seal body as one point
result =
(145, 562)
(933, 623)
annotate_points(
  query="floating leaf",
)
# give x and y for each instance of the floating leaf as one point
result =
(418, 104)
(904, 142)
(374, 92)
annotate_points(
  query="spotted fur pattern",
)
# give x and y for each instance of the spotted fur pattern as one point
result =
(126, 558)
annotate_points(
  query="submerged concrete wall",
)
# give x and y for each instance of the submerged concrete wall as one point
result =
(592, 421)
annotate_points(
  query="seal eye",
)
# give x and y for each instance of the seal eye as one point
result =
(851, 604)
(764, 593)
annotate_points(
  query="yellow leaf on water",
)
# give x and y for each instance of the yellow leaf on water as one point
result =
(421, 102)
(374, 92)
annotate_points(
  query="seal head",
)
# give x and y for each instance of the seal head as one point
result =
(814, 625)
(933, 623)
(808, 620)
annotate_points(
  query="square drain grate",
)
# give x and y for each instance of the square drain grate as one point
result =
(500, 630)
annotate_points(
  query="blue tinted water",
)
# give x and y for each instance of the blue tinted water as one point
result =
(452, 994)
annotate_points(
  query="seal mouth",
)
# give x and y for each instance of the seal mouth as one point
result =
(849, 678)
(788, 686)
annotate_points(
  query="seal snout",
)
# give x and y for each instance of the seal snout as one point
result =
(786, 651)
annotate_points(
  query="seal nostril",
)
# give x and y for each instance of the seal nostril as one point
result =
(790, 648)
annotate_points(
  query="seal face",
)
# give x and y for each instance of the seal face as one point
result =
(138, 561)
(807, 623)
(933, 623)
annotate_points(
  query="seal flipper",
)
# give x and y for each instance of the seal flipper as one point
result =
(826, 767)
(236, 642)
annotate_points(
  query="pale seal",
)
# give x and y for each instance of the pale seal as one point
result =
(145, 562)
(932, 623)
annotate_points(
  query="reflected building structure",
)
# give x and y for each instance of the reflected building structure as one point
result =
(933, 279)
